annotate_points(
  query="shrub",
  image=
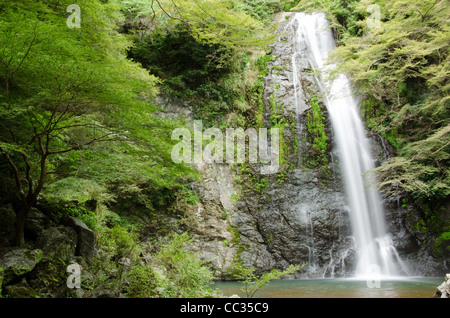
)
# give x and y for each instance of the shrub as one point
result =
(188, 275)
(118, 242)
(141, 282)
(174, 272)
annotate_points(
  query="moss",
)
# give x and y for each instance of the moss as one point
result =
(441, 246)
(317, 137)
(49, 275)
(21, 290)
(421, 227)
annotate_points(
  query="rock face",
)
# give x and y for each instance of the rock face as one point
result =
(36, 223)
(85, 244)
(301, 224)
(303, 218)
(213, 235)
(58, 241)
(42, 270)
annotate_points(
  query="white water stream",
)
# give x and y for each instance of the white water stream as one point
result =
(376, 253)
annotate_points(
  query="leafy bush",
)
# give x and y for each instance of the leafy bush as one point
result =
(253, 283)
(188, 275)
(178, 58)
(119, 242)
(441, 246)
(317, 135)
(142, 282)
(174, 272)
(57, 209)
(87, 217)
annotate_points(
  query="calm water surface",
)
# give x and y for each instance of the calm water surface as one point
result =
(411, 287)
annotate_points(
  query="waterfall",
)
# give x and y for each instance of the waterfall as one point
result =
(373, 243)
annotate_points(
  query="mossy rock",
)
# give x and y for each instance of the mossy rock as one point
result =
(58, 241)
(19, 262)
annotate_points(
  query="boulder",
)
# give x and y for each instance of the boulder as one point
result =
(443, 290)
(19, 262)
(85, 246)
(58, 241)
(36, 223)
(7, 225)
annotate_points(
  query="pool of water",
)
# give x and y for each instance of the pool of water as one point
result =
(411, 287)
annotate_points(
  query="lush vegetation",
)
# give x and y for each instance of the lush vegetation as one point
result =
(318, 138)
(79, 134)
(399, 65)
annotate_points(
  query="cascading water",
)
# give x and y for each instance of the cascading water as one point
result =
(376, 253)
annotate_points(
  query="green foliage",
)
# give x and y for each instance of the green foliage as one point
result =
(143, 282)
(260, 10)
(179, 59)
(204, 51)
(288, 146)
(263, 10)
(421, 227)
(73, 107)
(316, 127)
(211, 21)
(87, 217)
(262, 184)
(58, 208)
(2, 271)
(401, 67)
(343, 16)
(78, 189)
(317, 135)
(175, 272)
(119, 242)
(441, 246)
(192, 198)
(253, 283)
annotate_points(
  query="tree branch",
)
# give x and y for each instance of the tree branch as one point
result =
(100, 139)
(27, 52)
(169, 15)
(424, 16)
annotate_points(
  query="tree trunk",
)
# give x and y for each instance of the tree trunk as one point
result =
(20, 226)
